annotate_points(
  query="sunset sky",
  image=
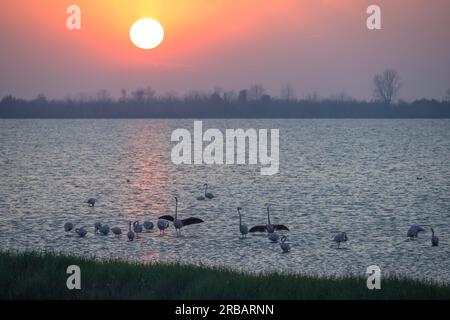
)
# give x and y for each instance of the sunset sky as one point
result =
(316, 45)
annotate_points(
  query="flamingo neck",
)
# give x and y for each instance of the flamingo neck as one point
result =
(206, 189)
(176, 208)
(240, 218)
(268, 216)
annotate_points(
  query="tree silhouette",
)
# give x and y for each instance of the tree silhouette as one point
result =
(287, 92)
(246, 103)
(243, 95)
(41, 98)
(103, 95)
(256, 92)
(230, 96)
(123, 95)
(386, 86)
(138, 95)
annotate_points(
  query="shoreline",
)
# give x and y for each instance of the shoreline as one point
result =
(34, 275)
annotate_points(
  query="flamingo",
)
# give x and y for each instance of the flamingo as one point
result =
(148, 225)
(162, 225)
(340, 237)
(208, 195)
(180, 223)
(104, 230)
(130, 233)
(81, 231)
(91, 202)
(434, 239)
(137, 228)
(117, 231)
(68, 226)
(243, 228)
(414, 230)
(270, 228)
(286, 247)
(97, 226)
(274, 237)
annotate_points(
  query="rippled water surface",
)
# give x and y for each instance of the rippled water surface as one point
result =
(370, 178)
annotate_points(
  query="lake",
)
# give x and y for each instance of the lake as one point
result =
(370, 178)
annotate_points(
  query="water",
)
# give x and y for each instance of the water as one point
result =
(358, 176)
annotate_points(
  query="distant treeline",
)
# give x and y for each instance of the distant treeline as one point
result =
(216, 106)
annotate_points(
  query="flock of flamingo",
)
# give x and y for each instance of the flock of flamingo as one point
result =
(163, 222)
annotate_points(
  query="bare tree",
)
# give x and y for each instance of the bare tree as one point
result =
(8, 99)
(123, 95)
(287, 92)
(243, 96)
(149, 94)
(138, 95)
(218, 90)
(215, 97)
(386, 86)
(171, 96)
(312, 97)
(102, 95)
(195, 96)
(41, 98)
(82, 97)
(341, 97)
(230, 96)
(256, 92)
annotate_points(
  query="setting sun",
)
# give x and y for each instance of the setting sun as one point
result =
(146, 33)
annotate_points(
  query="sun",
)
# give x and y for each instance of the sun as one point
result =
(146, 33)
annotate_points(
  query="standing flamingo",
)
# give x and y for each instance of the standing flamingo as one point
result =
(178, 224)
(286, 247)
(413, 231)
(208, 195)
(81, 232)
(148, 225)
(97, 227)
(340, 237)
(162, 225)
(116, 230)
(274, 237)
(91, 202)
(104, 230)
(68, 226)
(269, 227)
(434, 239)
(137, 228)
(243, 228)
(130, 233)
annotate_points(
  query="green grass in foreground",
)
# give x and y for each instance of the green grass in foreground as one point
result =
(43, 276)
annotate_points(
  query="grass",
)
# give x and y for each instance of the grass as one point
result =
(43, 276)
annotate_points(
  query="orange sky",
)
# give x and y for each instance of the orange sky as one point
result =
(317, 45)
